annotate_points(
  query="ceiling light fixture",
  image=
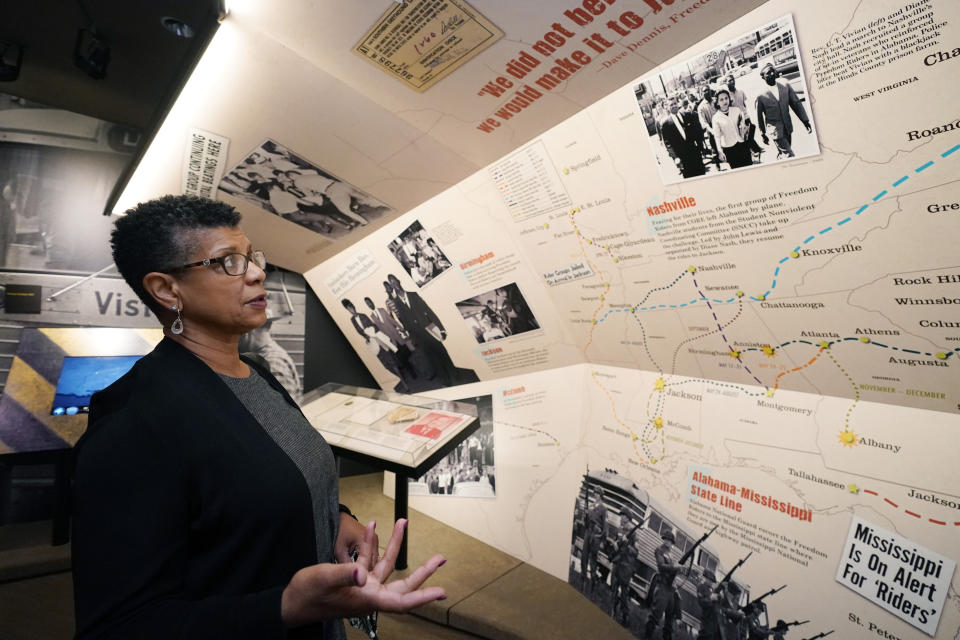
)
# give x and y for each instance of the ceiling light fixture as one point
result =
(177, 27)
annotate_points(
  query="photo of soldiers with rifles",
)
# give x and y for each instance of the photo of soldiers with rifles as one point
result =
(593, 538)
(656, 574)
(624, 557)
(662, 598)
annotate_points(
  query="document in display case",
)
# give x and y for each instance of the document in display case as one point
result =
(396, 432)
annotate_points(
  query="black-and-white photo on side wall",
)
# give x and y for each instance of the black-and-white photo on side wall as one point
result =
(276, 179)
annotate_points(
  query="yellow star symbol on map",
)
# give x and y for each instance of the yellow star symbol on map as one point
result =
(659, 384)
(658, 422)
(824, 344)
(767, 350)
(635, 438)
(769, 393)
(734, 354)
(853, 488)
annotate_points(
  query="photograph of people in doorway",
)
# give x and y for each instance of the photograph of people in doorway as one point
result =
(741, 105)
(418, 253)
(276, 179)
(496, 314)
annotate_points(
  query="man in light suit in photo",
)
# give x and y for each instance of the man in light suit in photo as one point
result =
(773, 111)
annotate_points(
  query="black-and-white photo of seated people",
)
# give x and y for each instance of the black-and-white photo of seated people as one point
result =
(377, 342)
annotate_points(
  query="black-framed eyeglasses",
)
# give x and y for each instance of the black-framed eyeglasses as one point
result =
(234, 264)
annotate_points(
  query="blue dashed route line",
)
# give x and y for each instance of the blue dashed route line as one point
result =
(794, 254)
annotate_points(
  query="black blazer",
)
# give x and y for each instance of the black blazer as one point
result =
(189, 520)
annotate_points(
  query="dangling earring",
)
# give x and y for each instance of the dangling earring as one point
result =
(177, 326)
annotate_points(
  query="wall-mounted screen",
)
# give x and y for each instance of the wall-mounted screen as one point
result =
(82, 376)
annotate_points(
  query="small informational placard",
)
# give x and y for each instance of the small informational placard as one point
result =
(22, 298)
(907, 579)
(421, 41)
(569, 273)
(203, 163)
(528, 183)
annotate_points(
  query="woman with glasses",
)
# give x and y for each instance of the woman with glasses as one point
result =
(205, 504)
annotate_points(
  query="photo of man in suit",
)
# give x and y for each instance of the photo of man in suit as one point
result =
(427, 332)
(681, 142)
(773, 111)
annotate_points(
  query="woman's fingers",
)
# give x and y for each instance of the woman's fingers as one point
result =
(367, 550)
(401, 603)
(384, 568)
(418, 576)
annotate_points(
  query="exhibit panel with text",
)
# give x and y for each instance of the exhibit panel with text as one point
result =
(745, 260)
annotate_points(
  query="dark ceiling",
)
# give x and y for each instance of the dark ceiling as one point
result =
(148, 63)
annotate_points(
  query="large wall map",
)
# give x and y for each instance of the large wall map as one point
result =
(744, 345)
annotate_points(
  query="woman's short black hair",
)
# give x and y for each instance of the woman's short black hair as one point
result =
(154, 236)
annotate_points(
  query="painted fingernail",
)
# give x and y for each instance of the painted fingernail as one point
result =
(356, 576)
(442, 562)
(442, 598)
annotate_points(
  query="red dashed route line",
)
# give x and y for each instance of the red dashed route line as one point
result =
(794, 370)
(907, 511)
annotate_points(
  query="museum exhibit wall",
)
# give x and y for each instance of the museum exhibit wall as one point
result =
(770, 350)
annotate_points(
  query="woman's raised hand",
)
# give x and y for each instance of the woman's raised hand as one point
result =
(325, 591)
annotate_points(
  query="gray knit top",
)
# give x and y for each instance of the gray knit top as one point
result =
(287, 426)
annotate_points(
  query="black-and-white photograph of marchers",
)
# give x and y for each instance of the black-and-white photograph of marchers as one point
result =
(741, 105)
(278, 180)
(661, 577)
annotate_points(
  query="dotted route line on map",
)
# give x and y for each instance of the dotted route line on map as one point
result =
(613, 410)
(526, 428)
(673, 366)
(856, 390)
(907, 511)
(737, 354)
